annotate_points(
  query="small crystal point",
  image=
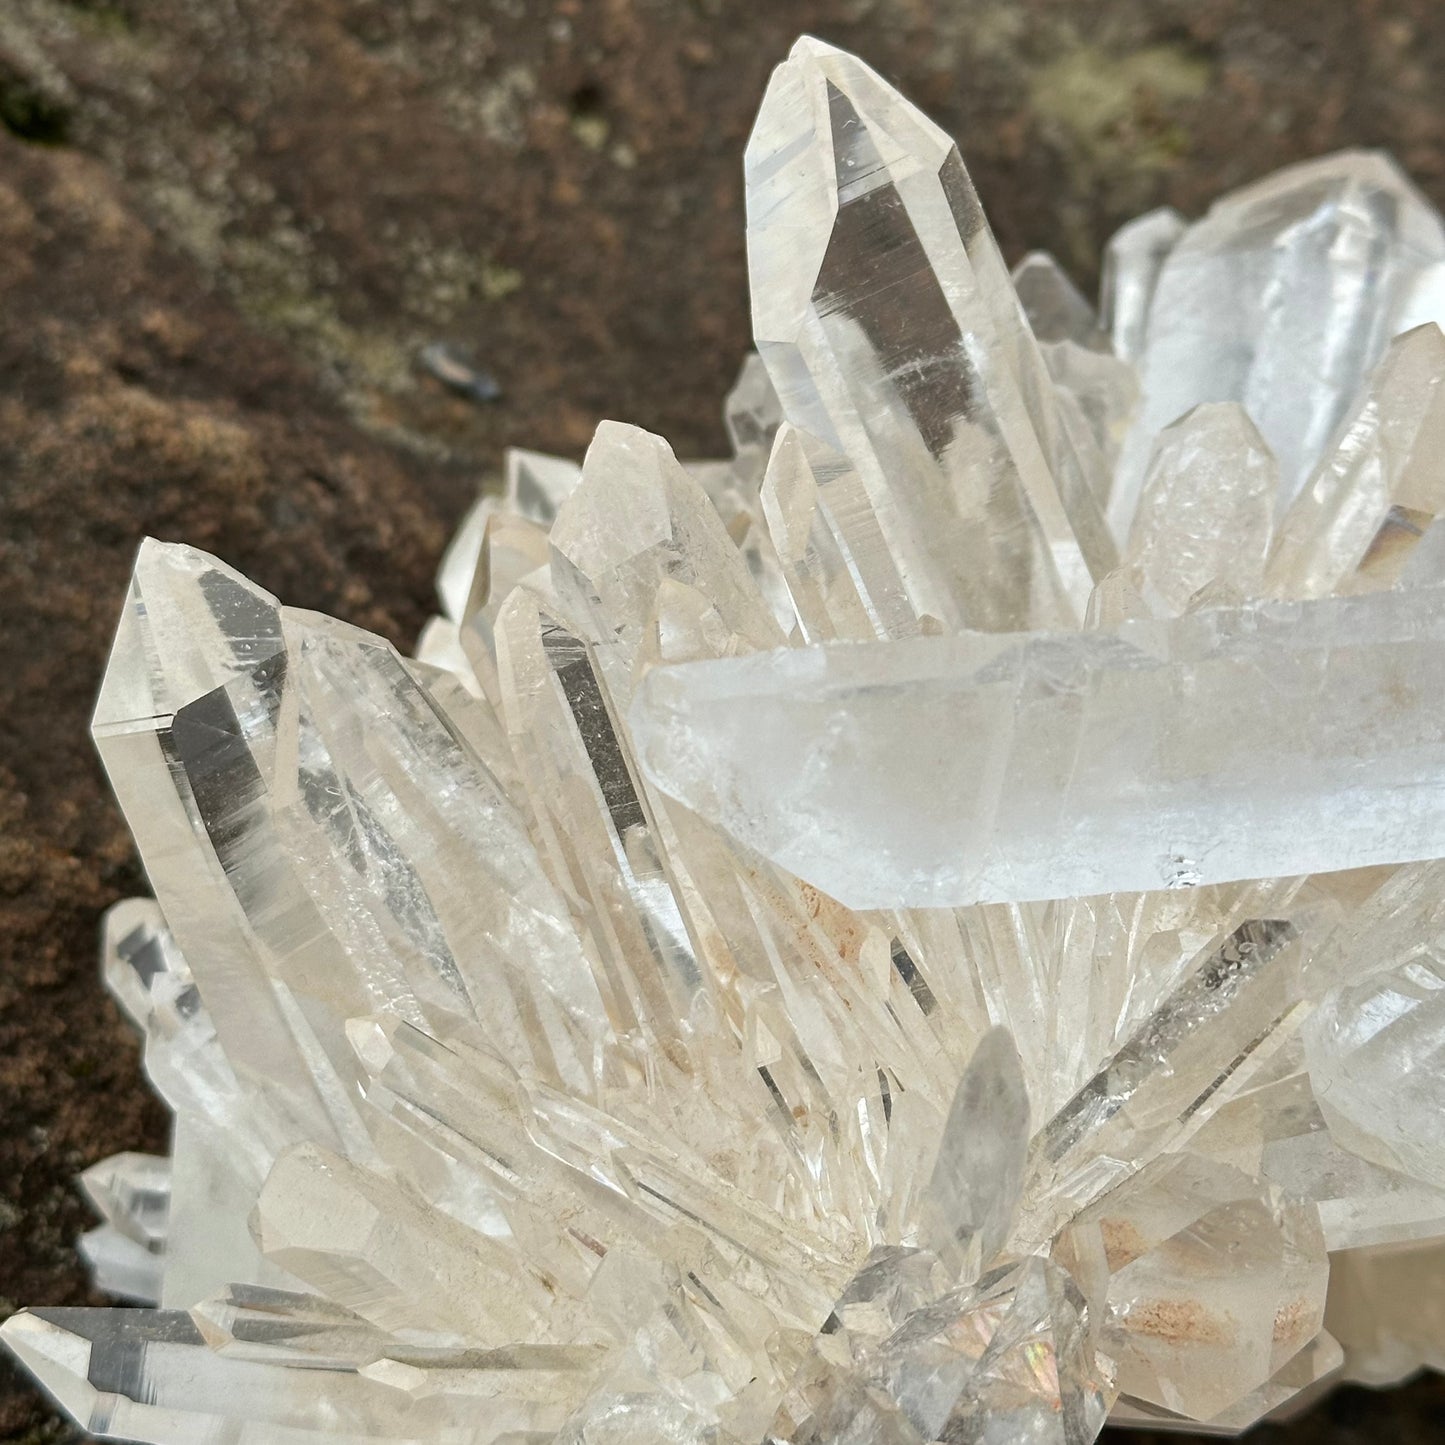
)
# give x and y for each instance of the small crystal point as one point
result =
(1054, 307)
(635, 516)
(843, 580)
(969, 1203)
(133, 1192)
(538, 484)
(1206, 512)
(59, 1360)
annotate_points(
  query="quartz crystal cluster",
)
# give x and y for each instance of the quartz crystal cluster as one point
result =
(928, 930)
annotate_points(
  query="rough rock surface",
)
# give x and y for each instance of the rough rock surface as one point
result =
(227, 231)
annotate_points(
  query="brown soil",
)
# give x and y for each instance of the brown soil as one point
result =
(226, 231)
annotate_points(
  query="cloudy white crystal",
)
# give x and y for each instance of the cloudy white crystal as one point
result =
(1003, 768)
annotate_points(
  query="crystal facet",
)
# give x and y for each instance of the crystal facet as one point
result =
(1004, 767)
(1282, 298)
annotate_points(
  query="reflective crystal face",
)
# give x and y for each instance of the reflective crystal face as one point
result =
(1283, 298)
(1208, 1282)
(926, 929)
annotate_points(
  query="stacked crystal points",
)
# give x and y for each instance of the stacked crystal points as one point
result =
(929, 930)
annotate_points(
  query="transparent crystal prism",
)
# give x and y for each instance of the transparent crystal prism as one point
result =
(1283, 298)
(843, 764)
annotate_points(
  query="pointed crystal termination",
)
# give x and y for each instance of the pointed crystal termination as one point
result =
(1376, 1042)
(893, 334)
(1133, 260)
(1282, 298)
(971, 1197)
(1205, 1281)
(126, 1253)
(1053, 306)
(842, 578)
(164, 725)
(1380, 487)
(268, 1368)
(955, 770)
(323, 842)
(536, 485)
(1009, 1358)
(1204, 519)
(637, 516)
(133, 1191)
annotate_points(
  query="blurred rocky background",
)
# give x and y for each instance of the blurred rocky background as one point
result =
(282, 278)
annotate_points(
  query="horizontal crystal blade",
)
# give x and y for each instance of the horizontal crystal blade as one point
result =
(1268, 741)
(155, 1377)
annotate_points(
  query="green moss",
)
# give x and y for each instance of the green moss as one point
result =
(274, 286)
(100, 17)
(1115, 112)
(442, 281)
(499, 282)
(192, 222)
(591, 130)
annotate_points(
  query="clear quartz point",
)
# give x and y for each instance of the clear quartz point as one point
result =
(821, 945)
(1283, 298)
(1054, 307)
(1380, 485)
(893, 334)
(538, 484)
(1206, 513)
(1133, 260)
(133, 1193)
(969, 1203)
